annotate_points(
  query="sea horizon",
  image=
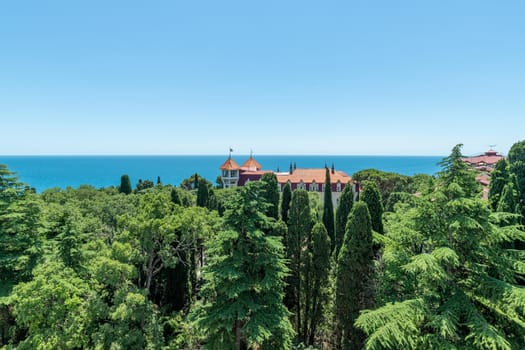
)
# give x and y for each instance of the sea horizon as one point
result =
(62, 171)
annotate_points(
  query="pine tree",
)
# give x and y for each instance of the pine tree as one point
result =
(457, 171)
(299, 229)
(449, 279)
(354, 277)
(244, 281)
(202, 194)
(285, 202)
(371, 196)
(125, 184)
(498, 179)
(328, 208)
(346, 201)
(271, 194)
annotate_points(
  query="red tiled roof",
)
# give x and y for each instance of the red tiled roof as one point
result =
(230, 164)
(490, 157)
(251, 164)
(313, 175)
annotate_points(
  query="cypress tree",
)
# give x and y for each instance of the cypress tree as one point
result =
(125, 185)
(196, 181)
(299, 228)
(346, 201)
(175, 197)
(517, 167)
(285, 201)
(244, 281)
(498, 179)
(202, 194)
(509, 199)
(271, 194)
(328, 208)
(354, 277)
(319, 254)
(159, 183)
(371, 196)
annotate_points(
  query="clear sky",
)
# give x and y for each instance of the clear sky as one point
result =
(279, 77)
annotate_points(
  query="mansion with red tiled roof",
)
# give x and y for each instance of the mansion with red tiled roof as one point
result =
(484, 162)
(312, 180)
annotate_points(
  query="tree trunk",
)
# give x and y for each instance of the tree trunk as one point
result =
(237, 335)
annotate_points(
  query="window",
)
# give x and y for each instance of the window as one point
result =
(338, 187)
(225, 173)
(314, 187)
(301, 186)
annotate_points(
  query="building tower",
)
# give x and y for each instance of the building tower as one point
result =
(230, 172)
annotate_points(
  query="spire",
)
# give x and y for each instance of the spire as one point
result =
(333, 168)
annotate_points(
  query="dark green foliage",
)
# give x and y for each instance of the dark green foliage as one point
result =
(175, 197)
(144, 185)
(389, 182)
(285, 202)
(449, 277)
(371, 196)
(244, 281)
(517, 168)
(218, 182)
(299, 229)
(202, 194)
(400, 197)
(125, 185)
(498, 179)
(159, 183)
(192, 182)
(509, 199)
(316, 292)
(354, 276)
(457, 171)
(346, 202)
(271, 194)
(328, 209)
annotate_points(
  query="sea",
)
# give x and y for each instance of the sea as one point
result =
(44, 172)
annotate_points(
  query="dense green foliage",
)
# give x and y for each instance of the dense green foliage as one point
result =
(244, 281)
(345, 204)
(328, 209)
(354, 277)
(161, 268)
(125, 184)
(498, 179)
(271, 194)
(449, 278)
(286, 199)
(371, 196)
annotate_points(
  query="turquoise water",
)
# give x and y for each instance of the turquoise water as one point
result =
(42, 172)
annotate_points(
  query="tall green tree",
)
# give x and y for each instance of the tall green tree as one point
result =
(328, 209)
(285, 201)
(517, 167)
(202, 194)
(371, 196)
(509, 198)
(498, 179)
(454, 170)
(317, 290)
(244, 281)
(354, 276)
(449, 277)
(346, 202)
(271, 194)
(298, 237)
(125, 185)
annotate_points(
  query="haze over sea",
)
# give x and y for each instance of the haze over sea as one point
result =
(43, 172)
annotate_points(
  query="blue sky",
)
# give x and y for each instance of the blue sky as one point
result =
(279, 77)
